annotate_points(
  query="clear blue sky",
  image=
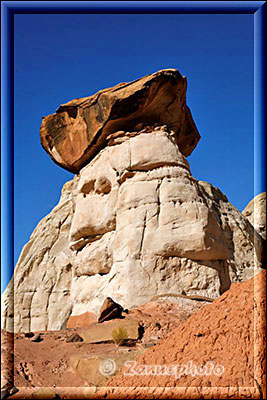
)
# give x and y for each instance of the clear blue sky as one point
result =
(61, 57)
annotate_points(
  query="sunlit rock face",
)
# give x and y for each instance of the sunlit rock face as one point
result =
(255, 212)
(38, 296)
(78, 130)
(142, 226)
(132, 224)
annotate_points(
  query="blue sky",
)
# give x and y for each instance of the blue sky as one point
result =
(61, 57)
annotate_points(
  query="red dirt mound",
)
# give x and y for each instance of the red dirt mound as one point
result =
(229, 333)
(228, 336)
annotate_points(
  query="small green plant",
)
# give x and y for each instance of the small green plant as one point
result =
(119, 335)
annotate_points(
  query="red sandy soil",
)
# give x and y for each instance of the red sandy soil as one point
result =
(229, 332)
(46, 363)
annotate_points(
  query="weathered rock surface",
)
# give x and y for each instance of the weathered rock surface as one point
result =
(71, 361)
(103, 332)
(230, 333)
(36, 338)
(38, 296)
(255, 212)
(81, 321)
(74, 337)
(109, 310)
(79, 129)
(138, 225)
(156, 230)
(133, 224)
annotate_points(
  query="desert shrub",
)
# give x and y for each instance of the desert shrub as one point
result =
(119, 335)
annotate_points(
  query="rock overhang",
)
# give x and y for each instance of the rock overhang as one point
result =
(79, 129)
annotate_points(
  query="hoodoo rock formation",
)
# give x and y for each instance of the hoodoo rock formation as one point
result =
(79, 129)
(133, 223)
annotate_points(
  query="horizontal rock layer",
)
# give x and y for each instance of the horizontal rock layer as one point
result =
(133, 224)
(79, 129)
(39, 293)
